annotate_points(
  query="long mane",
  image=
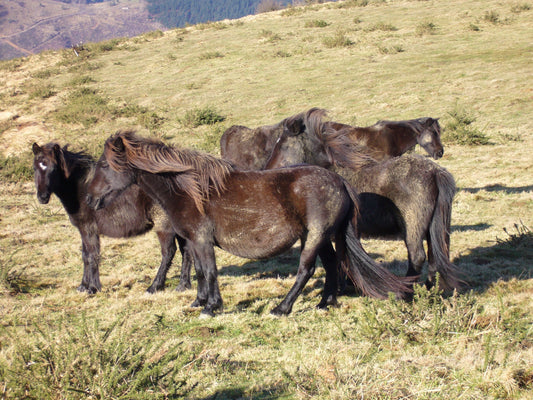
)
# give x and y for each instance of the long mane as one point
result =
(193, 172)
(344, 151)
(416, 125)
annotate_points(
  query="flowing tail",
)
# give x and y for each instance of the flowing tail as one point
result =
(439, 235)
(366, 274)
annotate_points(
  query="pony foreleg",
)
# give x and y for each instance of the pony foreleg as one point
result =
(90, 253)
(208, 293)
(330, 262)
(206, 257)
(168, 250)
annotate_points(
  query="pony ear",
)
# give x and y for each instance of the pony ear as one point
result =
(118, 145)
(295, 127)
(36, 148)
(60, 159)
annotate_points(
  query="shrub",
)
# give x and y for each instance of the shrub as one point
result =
(339, 40)
(426, 28)
(83, 106)
(17, 168)
(316, 23)
(202, 116)
(381, 26)
(518, 8)
(460, 130)
(42, 92)
(491, 16)
(151, 120)
(210, 55)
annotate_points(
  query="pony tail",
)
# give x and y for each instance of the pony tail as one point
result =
(439, 232)
(373, 279)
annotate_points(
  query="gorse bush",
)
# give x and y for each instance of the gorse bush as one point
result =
(17, 168)
(459, 129)
(201, 116)
(94, 362)
(426, 28)
(316, 23)
(42, 91)
(339, 40)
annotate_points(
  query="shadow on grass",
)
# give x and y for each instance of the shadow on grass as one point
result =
(239, 392)
(499, 188)
(510, 257)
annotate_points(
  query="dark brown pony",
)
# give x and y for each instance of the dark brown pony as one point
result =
(255, 214)
(408, 197)
(249, 149)
(65, 173)
(386, 139)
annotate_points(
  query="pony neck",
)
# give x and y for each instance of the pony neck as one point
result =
(71, 189)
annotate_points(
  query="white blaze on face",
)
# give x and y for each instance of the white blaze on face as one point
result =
(42, 166)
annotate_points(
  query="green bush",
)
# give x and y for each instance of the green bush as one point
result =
(339, 40)
(426, 28)
(84, 106)
(316, 23)
(202, 116)
(17, 168)
(459, 129)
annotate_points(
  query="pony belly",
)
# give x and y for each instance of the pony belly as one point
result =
(258, 243)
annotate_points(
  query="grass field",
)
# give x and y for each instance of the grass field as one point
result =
(466, 62)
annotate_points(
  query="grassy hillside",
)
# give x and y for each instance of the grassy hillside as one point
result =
(467, 62)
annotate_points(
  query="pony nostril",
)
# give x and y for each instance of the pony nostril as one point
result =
(440, 153)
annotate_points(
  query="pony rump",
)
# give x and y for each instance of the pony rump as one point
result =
(195, 173)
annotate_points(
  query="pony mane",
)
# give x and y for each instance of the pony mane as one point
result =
(342, 149)
(417, 125)
(194, 172)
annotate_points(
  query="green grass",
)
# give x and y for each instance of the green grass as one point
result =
(124, 344)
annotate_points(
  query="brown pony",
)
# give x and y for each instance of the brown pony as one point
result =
(408, 197)
(386, 139)
(254, 214)
(66, 173)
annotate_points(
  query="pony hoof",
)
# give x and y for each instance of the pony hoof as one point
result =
(152, 290)
(88, 290)
(182, 288)
(278, 312)
(197, 303)
(206, 314)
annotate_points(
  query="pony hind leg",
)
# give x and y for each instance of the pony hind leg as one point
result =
(330, 262)
(168, 250)
(416, 254)
(187, 261)
(306, 269)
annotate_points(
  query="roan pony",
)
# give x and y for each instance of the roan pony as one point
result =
(255, 214)
(66, 173)
(408, 197)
